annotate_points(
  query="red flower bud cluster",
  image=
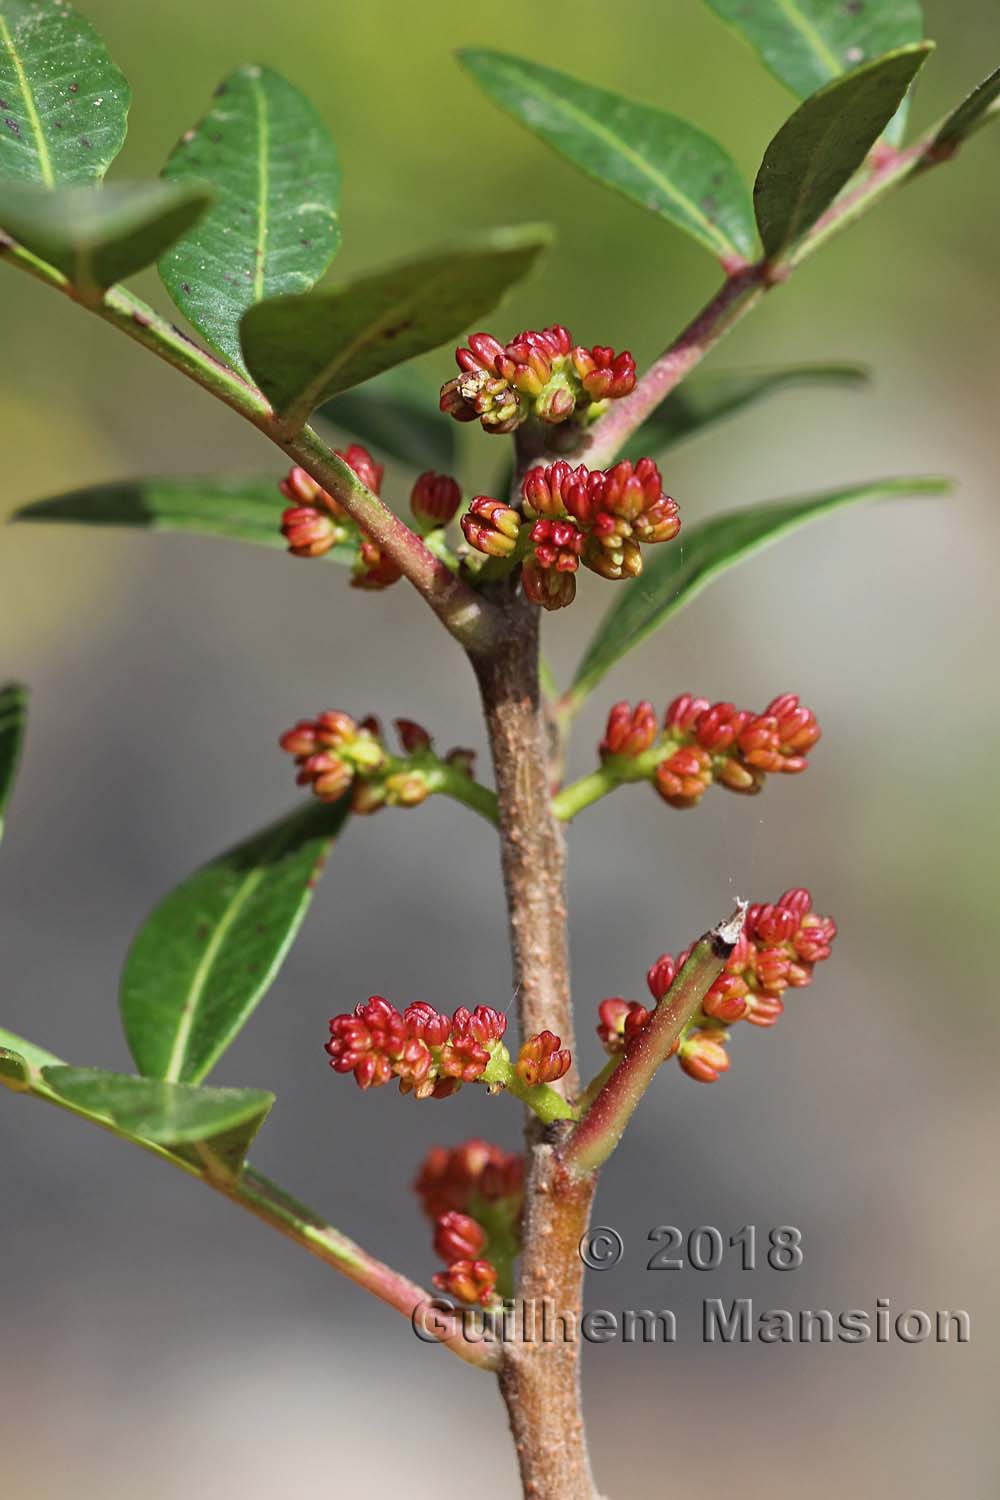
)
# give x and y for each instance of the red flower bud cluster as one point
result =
(334, 753)
(457, 1178)
(434, 499)
(542, 1059)
(491, 527)
(703, 742)
(316, 521)
(620, 1021)
(629, 731)
(468, 1281)
(597, 516)
(431, 1054)
(540, 374)
(462, 1191)
(778, 949)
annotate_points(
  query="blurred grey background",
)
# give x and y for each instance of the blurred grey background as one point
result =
(152, 1341)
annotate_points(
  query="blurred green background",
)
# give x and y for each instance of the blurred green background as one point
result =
(151, 1342)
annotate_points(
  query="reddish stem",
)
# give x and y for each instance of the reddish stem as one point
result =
(602, 1127)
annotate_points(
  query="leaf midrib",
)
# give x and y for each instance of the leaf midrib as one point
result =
(206, 962)
(263, 186)
(718, 236)
(299, 411)
(814, 37)
(42, 145)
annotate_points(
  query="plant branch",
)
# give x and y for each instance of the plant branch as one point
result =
(539, 1377)
(272, 1205)
(602, 1127)
(459, 607)
(739, 293)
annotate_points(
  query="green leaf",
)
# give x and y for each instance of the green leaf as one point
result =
(398, 416)
(208, 953)
(684, 567)
(211, 1127)
(246, 510)
(274, 228)
(63, 103)
(706, 399)
(807, 43)
(660, 161)
(819, 149)
(13, 718)
(303, 350)
(97, 236)
(971, 115)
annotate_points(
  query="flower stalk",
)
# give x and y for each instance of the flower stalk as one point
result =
(602, 1127)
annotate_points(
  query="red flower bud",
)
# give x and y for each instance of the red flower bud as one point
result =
(765, 1009)
(558, 545)
(703, 1055)
(620, 1021)
(728, 1000)
(629, 732)
(542, 1060)
(491, 527)
(548, 587)
(684, 713)
(468, 1281)
(683, 777)
(603, 374)
(661, 976)
(374, 570)
(364, 466)
(458, 1237)
(412, 736)
(778, 739)
(435, 498)
(308, 532)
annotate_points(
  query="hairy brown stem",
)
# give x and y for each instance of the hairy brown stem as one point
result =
(539, 1373)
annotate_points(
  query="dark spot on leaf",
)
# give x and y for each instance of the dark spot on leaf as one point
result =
(710, 204)
(258, 927)
(306, 243)
(219, 91)
(216, 137)
(854, 7)
(58, 124)
(3, 104)
(14, 126)
(202, 932)
(185, 287)
(397, 329)
(74, 88)
(85, 142)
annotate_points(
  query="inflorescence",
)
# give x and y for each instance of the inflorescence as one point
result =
(433, 1054)
(336, 754)
(777, 950)
(597, 517)
(472, 1194)
(538, 374)
(315, 523)
(702, 743)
